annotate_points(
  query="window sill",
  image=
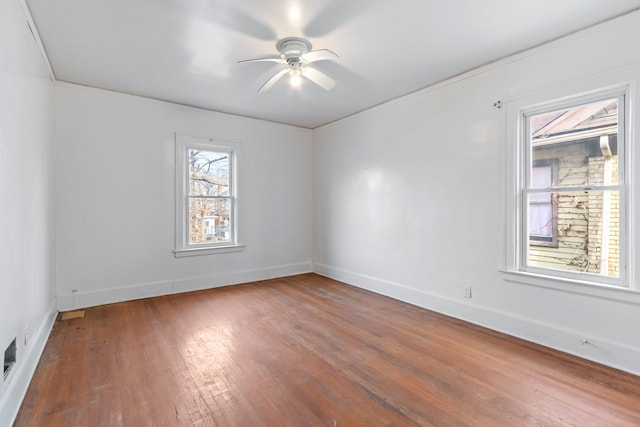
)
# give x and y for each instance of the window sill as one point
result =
(182, 253)
(603, 291)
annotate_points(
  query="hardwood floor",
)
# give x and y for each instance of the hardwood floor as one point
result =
(309, 351)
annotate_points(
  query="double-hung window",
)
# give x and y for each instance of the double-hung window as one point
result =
(572, 213)
(206, 195)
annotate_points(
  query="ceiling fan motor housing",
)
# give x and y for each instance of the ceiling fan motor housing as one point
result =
(292, 48)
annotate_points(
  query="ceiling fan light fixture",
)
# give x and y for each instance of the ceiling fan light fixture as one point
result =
(295, 72)
(295, 77)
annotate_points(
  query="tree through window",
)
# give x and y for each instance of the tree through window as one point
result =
(206, 194)
(209, 198)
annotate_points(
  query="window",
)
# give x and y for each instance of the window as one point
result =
(571, 189)
(206, 192)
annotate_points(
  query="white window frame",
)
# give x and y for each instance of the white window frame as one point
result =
(515, 269)
(183, 143)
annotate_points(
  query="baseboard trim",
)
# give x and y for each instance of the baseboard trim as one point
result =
(76, 300)
(18, 384)
(244, 276)
(598, 349)
(113, 295)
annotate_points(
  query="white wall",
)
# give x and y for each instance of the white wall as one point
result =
(26, 203)
(116, 199)
(409, 200)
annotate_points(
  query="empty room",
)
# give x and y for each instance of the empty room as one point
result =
(319, 213)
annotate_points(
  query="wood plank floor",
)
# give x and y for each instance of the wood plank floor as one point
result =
(308, 351)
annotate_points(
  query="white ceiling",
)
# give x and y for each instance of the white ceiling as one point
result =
(186, 51)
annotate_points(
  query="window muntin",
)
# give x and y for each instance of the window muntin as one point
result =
(206, 195)
(587, 191)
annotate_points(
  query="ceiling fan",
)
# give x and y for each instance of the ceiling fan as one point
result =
(297, 54)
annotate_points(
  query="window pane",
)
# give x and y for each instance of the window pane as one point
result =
(540, 218)
(541, 177)
(584, 138)
(588, 237)
(209, 221)
(208, 173)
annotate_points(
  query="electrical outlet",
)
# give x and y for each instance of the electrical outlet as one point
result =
(467, 292)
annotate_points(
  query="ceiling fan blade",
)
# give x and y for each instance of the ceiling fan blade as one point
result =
(265, 87)
(241, 22)
(319, 55)
(336, 14)
(319, 78)
(268, 59)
